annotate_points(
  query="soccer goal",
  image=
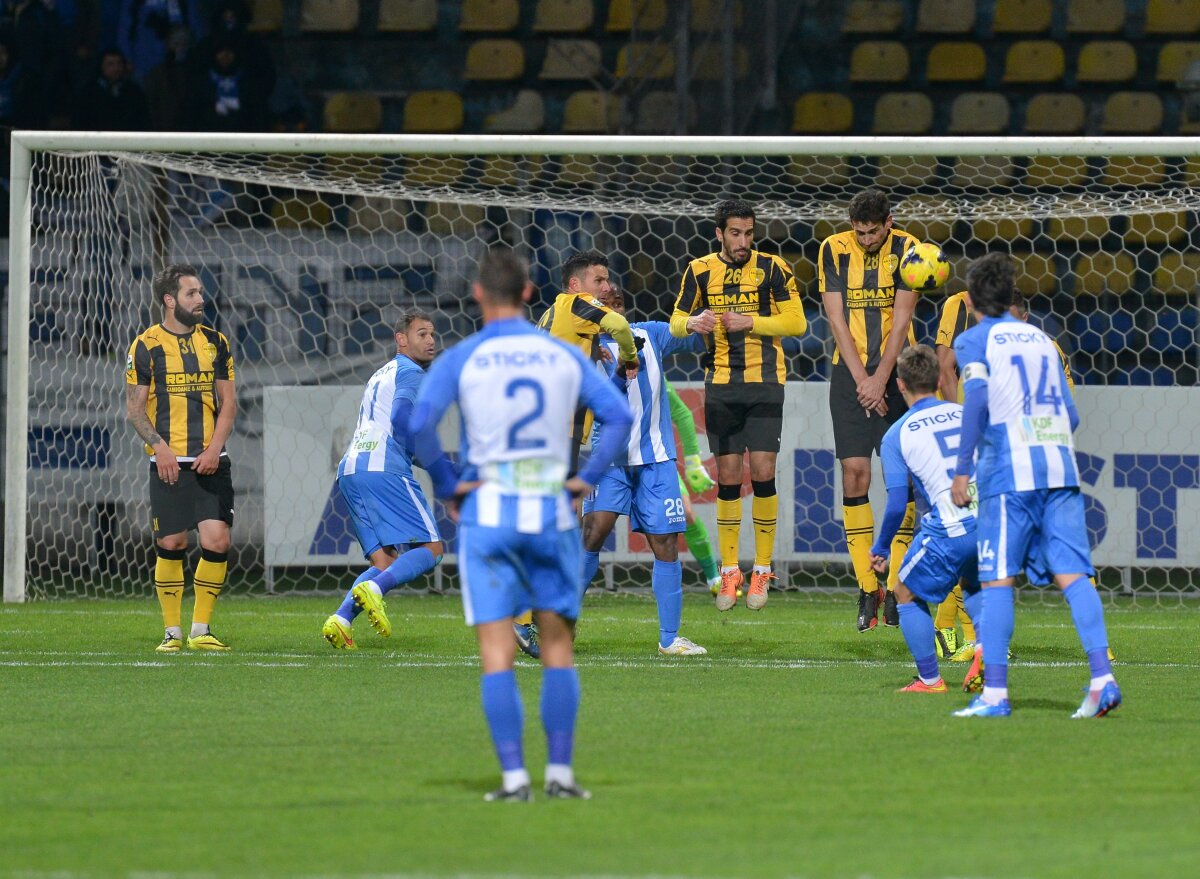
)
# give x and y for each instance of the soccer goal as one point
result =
(309, 247)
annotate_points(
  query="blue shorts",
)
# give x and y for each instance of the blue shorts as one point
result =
(647, 493)
(935, 563)
(1042, 532)
(388, 509)
(504, 573)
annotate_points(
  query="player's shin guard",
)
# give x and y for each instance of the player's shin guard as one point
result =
(901, 543)
(505, 719)
(1088, 615)
(209, 581)
(860, 531)
(591, 564)
(700, 547)
(408, 566)
(560, 705)
(729, 522)
(667, 581)
(349, 608)
(168, 584)
(996, 631)
(765, 510)
(916, 625)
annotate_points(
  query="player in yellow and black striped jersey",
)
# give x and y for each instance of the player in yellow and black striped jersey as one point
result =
(742, 300)
(870, 316)
(180, 400)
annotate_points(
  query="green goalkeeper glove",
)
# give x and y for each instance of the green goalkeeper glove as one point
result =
(697, 477)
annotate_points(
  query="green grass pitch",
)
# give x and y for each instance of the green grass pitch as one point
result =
(785, 752)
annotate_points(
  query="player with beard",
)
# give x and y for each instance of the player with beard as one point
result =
(180, 400)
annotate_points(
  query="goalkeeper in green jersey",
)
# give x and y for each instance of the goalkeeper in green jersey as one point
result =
(697, 482)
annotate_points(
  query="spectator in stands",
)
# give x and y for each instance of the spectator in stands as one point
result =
(34, 28)
(229, 21)
(112, 101)
(166, 84)
(223, 95)
(145, 26)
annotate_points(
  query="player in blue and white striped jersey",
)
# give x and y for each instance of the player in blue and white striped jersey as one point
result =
(923, 446)
(517, 390)
(375, 477)
(1019, 412)
(643, 483)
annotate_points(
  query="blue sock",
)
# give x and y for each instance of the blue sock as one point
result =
(973, 605)
(997, 634)
(1088, 615)
(916, 625)
(408, 566)
(560, 704)
(667, 580)
(591, 564)
(502, 708)
(349, 608)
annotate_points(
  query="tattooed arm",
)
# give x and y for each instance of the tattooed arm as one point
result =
(135, 413)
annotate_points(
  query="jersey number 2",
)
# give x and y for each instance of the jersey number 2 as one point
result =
(515, 441)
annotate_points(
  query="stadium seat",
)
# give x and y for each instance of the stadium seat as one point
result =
(1134, 171)
(946, 16)
(377, 213)
(1172, 16)
(1169, 227)
(1034, 61)
(578, 172)
(915, 215)
(430, 172)
(1173, 60)
(956, 62)
(1055, 114)
(493, 16)
(1079, 222)
(563, 16)
(1102, 272)
(903, 113)
(657, 113)
(353, 113)
(503, 172)
(1007, 229)
(646, 61)
(1107, 61)
(1178, 274)
(302, 211)
(879, 61)
(454, 219)
(407, 16)
(1056, 171)
(266, 16)
(495, 61)
(819, 172)
(1022, 16)
(1132, 113)
(823, 113)
(591, 112)
(1095, 16)
(1036, 274)
(911, 171)
(707, 62)
(712, 16)
(328, 16)
(979, 113)
(1174, 330)
(983, 172)
(571, 59)
(358, 167)
(640, 15)
(527, 115)
(433, 112)
(873, 17)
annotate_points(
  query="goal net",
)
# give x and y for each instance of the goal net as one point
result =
(309, 248)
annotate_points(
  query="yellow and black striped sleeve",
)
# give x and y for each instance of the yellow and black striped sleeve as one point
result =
(586, 312)
(691, 296)
(223, 369)
(137, 367)
(831, 270)
(954, 321)
(1066, 365)
(789, 319)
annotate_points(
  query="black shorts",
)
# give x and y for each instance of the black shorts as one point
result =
(194, 498)
(743, 417)
(855, 433)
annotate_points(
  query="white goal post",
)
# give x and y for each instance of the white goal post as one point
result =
(311, 243)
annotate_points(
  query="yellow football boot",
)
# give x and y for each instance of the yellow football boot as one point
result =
(207, 641)
(338, 634)
(376, 609)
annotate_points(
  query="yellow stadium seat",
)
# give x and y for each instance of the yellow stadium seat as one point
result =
(827, 173)
(641, 15)
(979, 113)
(657, 113)
(502, 171)
(353, 113)
(1034, 61)
(1170, 227)
(914, 216)
(1191, 173)
(1172, 16)
(711, 16)
(956, 62)
(1178, 274)
(407, 16)
(803, 268)
(591, 112)
(1134, 171)
(433, 112)
(301, 212)
(903, 113)
(328, 16)
(983, 172)
(707, 62)
(563, 16)
(266, 16)
(1007, 229)
(946, 16)
(1055, 114)
(1056, 171)
(571, 59)
(873, 17)
(1036, 274)
(646, 61)
(377, 213)
(823, 113)
(1102, 272)
(1095, 16)
(526, 115)
(454, 219)
(579, 172)
(495, 61)
(905, 171)
(1132, 113)
(495, 16)
(1107, 61)
(879, 61)
(431, 172)
(1022, 16)
(358, 167)
(1174, 59)
(1080, 221)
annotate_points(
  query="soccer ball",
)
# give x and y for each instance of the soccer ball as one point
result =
(924, 267)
